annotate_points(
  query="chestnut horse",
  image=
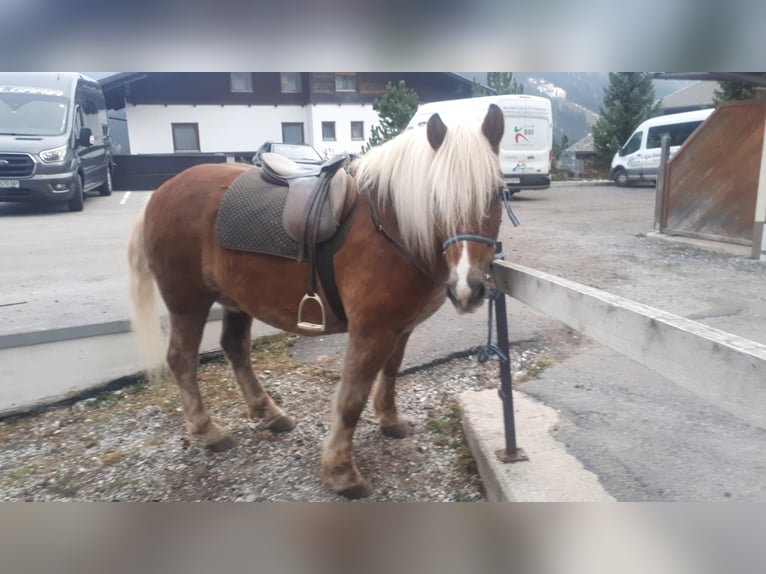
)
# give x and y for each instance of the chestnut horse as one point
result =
(427, 212)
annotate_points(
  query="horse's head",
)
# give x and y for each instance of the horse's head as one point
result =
(469, 243)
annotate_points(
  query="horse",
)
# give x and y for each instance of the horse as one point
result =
(427, 211)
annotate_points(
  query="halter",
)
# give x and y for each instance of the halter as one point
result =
(411, 260)
(468, 237)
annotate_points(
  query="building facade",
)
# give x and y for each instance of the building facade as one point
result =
(235, 112)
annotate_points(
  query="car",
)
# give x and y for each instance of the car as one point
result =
(54, 138)
(303, 154)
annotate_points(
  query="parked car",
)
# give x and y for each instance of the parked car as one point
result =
(54, 138)
(639, 159)
(299, 153)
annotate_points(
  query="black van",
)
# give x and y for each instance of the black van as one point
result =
(54, 138)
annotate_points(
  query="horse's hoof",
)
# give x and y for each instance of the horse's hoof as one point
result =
(282, 423)
(401, 429)
(361, 490)
(221, 443)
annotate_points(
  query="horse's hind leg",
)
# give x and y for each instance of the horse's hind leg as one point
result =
(364, 358)
(384, 394)
(235, 342)
(183, 357)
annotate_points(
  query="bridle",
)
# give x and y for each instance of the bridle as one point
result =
(472, 237)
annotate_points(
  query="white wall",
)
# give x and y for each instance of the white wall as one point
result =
(342, 115)
(244, 128)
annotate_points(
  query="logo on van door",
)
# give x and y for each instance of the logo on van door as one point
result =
(520, 134)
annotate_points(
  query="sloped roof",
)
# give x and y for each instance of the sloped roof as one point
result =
(697, 94)
(583, 145)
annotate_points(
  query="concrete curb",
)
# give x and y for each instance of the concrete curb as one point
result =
(550, 475)
(59, 334)
(719, 246)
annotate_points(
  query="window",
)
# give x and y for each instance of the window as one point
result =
(633, 144)
(345, 83)
(185, 137)
(357, 130)
(291, 82)
(328, 131)
(677, 133)
(241, 82)
(292, 133)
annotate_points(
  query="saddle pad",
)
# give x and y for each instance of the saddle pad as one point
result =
(250, 218)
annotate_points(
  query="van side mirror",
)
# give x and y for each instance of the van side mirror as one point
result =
(86, 137)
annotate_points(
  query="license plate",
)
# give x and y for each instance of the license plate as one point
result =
(9, 183)
(513, 180)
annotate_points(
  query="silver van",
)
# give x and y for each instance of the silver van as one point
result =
(54, 138)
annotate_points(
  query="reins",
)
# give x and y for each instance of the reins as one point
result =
(404, 253)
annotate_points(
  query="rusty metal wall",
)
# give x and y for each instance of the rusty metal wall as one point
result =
(712, 182)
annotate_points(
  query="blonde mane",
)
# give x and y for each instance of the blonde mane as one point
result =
(428, 190)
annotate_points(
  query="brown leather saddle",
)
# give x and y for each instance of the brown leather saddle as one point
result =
(318, 199)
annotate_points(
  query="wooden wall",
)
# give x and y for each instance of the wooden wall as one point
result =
(711, 183)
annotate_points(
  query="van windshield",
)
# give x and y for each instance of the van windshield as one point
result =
(32, 111)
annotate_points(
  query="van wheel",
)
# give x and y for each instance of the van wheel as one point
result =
(621, 178)
(106, 187)
(78, 199)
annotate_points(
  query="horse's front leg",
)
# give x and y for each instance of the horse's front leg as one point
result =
(384, 395)
(365, 356)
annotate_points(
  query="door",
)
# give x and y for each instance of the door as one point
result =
(94, 158)
(633, 155)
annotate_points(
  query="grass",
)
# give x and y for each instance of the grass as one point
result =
(534, 370)
(450, 434)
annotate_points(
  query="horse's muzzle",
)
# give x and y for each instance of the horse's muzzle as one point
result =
(467, 300)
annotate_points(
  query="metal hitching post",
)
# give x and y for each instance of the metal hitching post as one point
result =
(512, 452)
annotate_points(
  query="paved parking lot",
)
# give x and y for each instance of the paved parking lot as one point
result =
(60, 269)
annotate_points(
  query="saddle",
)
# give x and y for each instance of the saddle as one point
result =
(318, 199)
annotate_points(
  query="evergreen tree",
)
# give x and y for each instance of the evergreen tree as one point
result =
(628, 100)
(734, 91)
(477, 89)
(395, 109)
(559, 147)
(503, 83)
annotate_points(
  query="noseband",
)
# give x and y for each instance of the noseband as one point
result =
(468, 237)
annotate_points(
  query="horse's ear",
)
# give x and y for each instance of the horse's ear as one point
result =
(436, 131)
(494, 126)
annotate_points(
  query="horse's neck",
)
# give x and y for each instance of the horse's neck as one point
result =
(437, 269)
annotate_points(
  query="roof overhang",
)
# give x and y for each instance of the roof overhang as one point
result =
(752, 78)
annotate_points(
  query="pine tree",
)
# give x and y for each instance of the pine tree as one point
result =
(503, 83)
(628, 100)
(395, 109)
(477, 89)
(734, 91)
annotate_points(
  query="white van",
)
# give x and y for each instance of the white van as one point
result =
(527, 144)
(639, 158)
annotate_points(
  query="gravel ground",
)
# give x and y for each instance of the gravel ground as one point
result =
(130, 444)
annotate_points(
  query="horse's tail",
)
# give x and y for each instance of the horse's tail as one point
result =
(145, 319)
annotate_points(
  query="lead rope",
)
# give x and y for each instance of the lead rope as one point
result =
(490, 349)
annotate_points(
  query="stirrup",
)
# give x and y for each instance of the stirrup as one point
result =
(315, 327)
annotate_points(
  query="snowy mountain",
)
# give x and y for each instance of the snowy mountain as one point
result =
(576, 97)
